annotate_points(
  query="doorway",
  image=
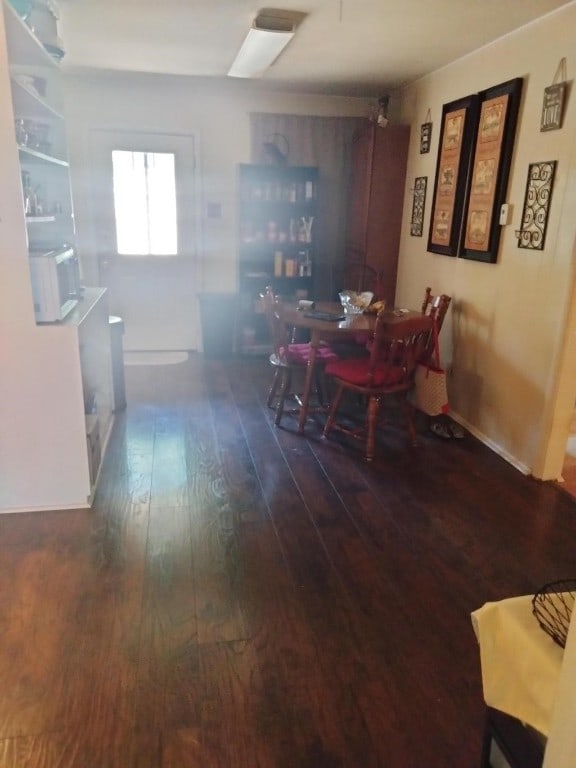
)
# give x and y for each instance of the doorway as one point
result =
(152, 272)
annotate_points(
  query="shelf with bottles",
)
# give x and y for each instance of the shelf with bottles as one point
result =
(263, 184)
(260, 230)
(283, 265)
(35, 156)
(40, 141)
(44, 196)
(40, 219)
(28, 101)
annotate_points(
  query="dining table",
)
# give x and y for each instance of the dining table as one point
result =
(340, 326)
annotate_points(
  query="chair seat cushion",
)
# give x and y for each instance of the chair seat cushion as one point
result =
(299, 354)
(355, 371)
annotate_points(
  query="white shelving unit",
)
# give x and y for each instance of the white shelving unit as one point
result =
(48, 372)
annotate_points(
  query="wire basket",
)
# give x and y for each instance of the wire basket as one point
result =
(552, 606)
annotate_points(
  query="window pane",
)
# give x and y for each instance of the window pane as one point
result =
(145, 203)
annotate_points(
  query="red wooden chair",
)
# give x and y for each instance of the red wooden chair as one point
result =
(288, 358)
(388, 373)
(436, 307)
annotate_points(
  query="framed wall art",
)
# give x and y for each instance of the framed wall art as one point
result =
(426, 134)
(418, 205)
(553, 101)
(553, 107)
(456, 134)
(498, 113)
(536, 205)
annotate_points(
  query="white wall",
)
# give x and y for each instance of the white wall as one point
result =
(216, 111)
(504, 338)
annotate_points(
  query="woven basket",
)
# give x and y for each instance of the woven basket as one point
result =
(552, 606)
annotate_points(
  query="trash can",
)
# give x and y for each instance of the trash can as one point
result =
(218, 313)
(116, 325)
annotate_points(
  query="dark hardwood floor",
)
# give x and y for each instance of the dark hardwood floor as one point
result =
(243, 597)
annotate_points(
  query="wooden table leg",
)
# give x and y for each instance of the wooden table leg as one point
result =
(314, 342)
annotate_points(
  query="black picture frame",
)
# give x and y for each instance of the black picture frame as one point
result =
(456, 135)
(425, 138)
(553, 107)
(498, 109)
(418, 206)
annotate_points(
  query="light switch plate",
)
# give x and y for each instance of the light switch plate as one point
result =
(504, 214)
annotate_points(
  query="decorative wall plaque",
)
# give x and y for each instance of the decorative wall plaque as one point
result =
(553, 102)
(425, 135)
(536, 205)
(418, 205)
(553, 107)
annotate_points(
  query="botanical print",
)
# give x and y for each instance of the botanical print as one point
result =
(453, 131)
(442, 226)
(478, 227)
(447, 180)
(483, 181)
(491, 120)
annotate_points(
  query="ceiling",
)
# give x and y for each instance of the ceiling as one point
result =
(348, 47)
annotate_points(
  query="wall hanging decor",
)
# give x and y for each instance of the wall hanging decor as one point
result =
(426, 134)
(418, 205)
(456, 134)
(536, 205)
(498, 114)
(553, 102)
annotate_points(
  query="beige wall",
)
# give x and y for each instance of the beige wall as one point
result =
(504, 338)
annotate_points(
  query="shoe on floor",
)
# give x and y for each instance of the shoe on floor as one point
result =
(456, 430)
(440, 429)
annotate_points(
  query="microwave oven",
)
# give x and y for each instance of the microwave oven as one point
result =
(55, 277)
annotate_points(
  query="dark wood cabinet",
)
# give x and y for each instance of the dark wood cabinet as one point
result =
(277, 242)
(375, 201)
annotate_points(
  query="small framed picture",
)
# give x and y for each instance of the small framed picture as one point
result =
(553, 107)
(418, 205)
(425, 137)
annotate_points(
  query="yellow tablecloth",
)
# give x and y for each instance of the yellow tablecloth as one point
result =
(520, 662)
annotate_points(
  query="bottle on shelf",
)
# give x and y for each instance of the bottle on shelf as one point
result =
(304, 264)
(278, 263)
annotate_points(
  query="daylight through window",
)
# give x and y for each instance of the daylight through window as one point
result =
(145, 203)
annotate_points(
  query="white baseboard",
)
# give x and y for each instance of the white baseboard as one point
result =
(520, 466)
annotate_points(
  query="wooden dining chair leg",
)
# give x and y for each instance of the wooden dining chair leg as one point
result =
(283, 394)
(320, 383)
(274, 387)
(334, 405)
(408, 410)
(371, 422)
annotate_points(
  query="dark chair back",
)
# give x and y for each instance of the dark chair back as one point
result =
(278, 330)
(399, 346)
(436, 306)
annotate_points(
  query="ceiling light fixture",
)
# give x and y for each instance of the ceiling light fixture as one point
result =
(265, 41)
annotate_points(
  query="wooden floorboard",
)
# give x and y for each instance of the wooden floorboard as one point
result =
(240, 596)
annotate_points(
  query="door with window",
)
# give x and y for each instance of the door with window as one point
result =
(144, 212)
